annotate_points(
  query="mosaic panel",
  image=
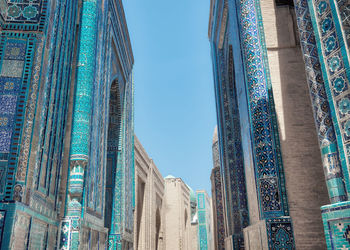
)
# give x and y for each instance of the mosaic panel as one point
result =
(122, 161)
(320, 105)
(5, 141)
(333, 60)
(204, 221)
(219, 206)
(81, 124)
(265, 138)
(85, 80)
(26, 15)
(54, 102)
(99, 128)
(16, 51)
(269, 193)
(30, 15)
(233, 169)
(336, 222)
(123, 198)
(200, 201)
(340, 230)
(12, 68)
(203, 241)
(280, 234)
(201, 216)
(344, 12)
(65, 235)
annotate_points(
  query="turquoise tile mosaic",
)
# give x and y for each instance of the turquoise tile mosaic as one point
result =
(322, 26)
(244, 97)
(204, 210)
(336, 221)
(54, 89)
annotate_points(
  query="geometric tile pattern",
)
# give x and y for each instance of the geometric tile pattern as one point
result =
(334, 60)
(232, 161)
(265, 140)
(36, 52)
(81, 125)
(203, 223)
(218, 199)
(280, 234)
(262, 129)
(96, 182)
(320, 105)
(344, 13)
(17, 52)
(52, 106)
(336, 223)
(340, 233)
(10, 79)
(26, 15)
(120, 158)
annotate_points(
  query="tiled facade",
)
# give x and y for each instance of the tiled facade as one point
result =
(66, 122)
(255, 49)
(205, 222)
(329, 26)
(217, 197)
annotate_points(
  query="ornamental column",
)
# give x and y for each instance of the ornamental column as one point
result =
(323, 118)
(326, 21)
(274, 219)
(79, 148)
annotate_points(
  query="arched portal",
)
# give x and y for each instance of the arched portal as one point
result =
(114, 124)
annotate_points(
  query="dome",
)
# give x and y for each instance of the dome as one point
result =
(170, 177)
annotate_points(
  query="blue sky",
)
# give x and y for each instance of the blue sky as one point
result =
(174, 96)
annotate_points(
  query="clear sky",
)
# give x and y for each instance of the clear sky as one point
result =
(174, 95)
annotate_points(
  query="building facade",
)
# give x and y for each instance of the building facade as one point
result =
(217, 197)
(324, 35)
(265, 72)
(149, 223)
(179, 216)
(66, 125)
(205, 221)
